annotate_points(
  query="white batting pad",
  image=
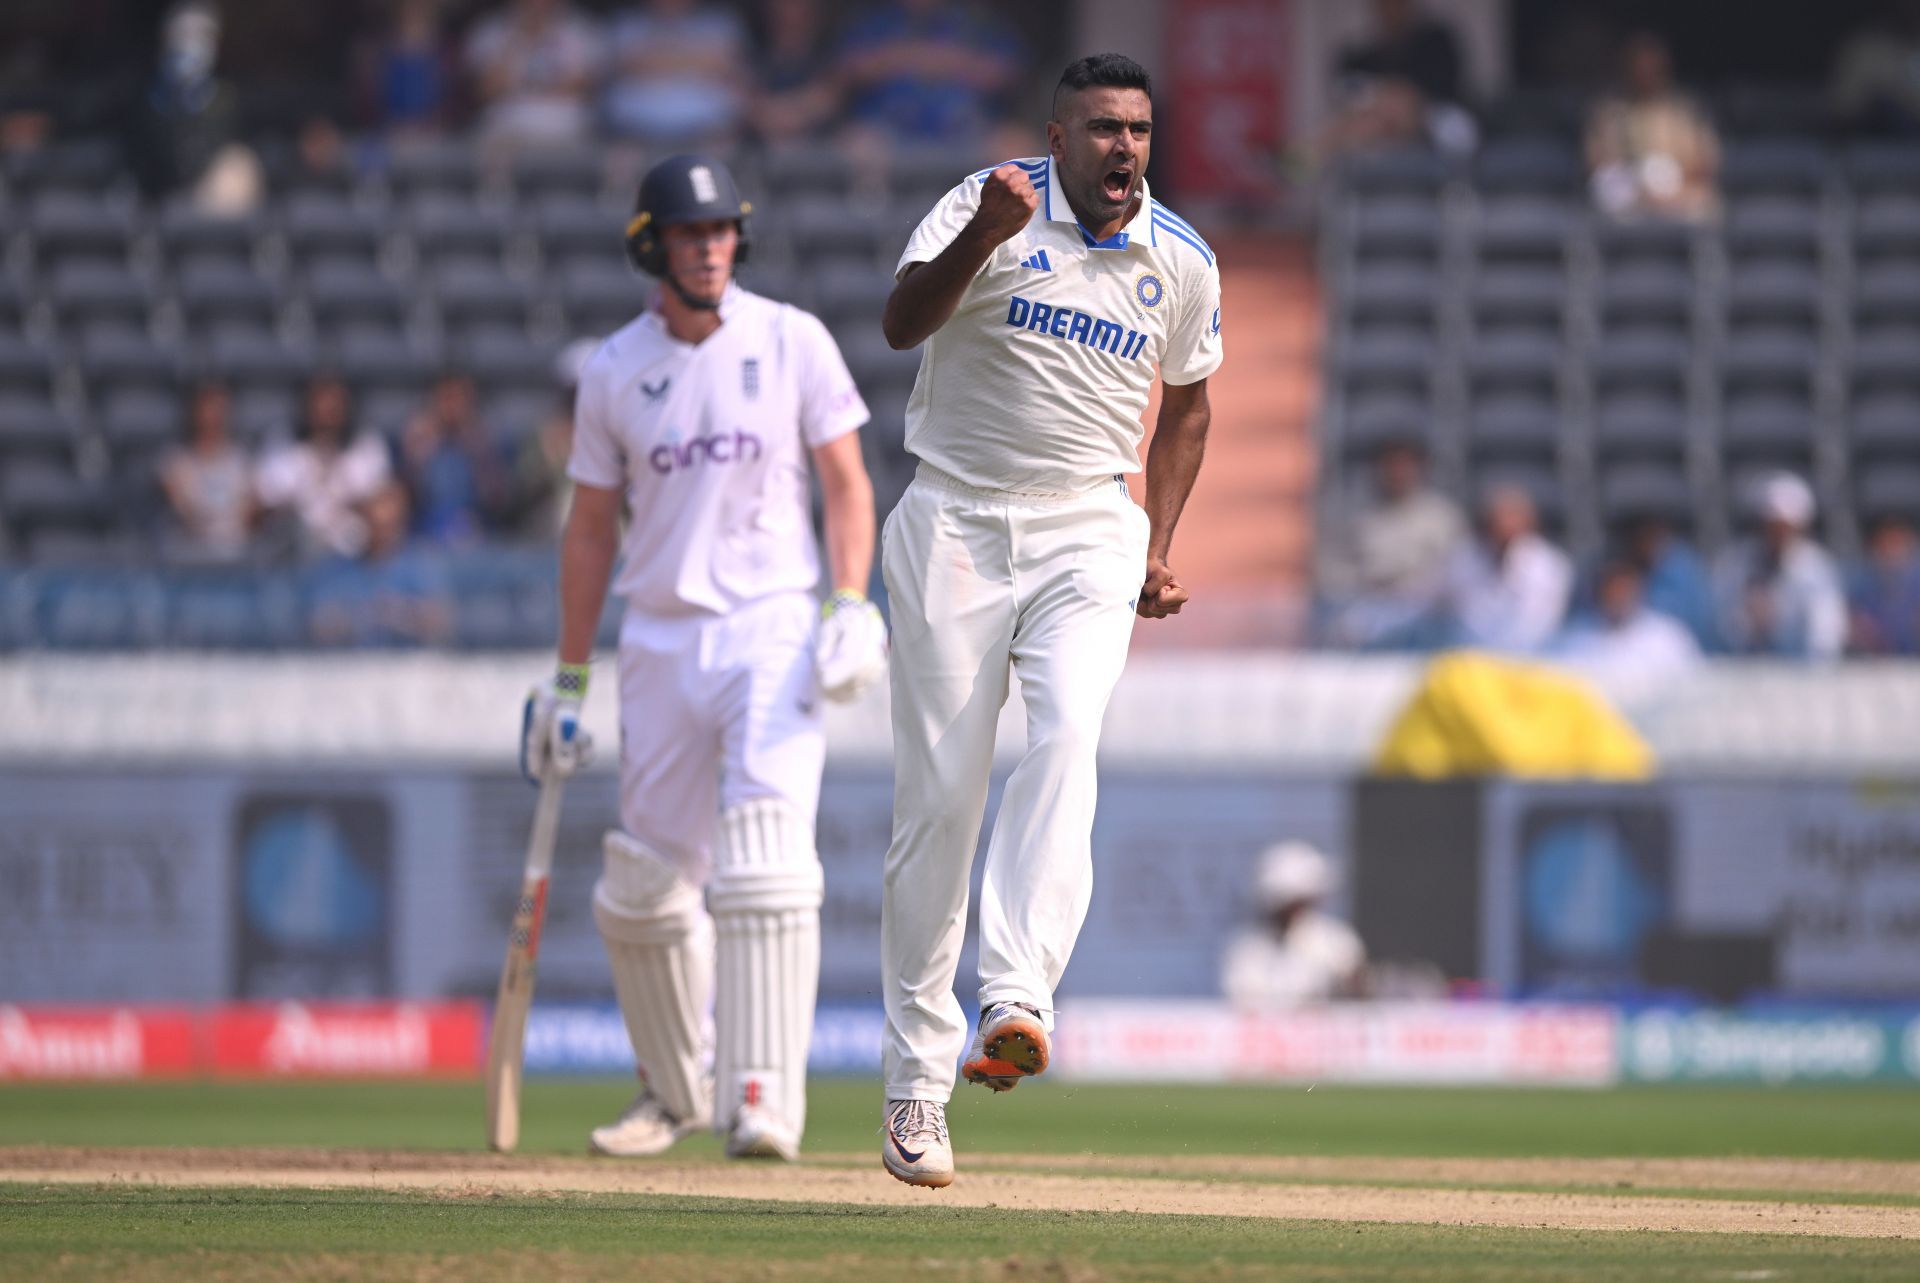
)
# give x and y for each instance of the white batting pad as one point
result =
(660, 945)
(765, 898)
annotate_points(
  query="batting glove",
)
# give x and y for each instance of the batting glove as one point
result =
(551, 737)
(850, 654)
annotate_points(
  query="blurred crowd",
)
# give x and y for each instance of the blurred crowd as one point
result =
(522, 75)
(1407, 568)
(1651, 146)
(366, 519)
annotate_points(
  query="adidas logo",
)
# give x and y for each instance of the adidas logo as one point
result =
(1038, 262)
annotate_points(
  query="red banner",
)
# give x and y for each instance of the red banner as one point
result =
(1226, 66)
(96, 1042)
(333, 1040)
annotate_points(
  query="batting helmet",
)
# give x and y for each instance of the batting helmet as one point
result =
(683, 189)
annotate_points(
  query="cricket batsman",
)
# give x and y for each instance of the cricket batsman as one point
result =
(702, 416)
(1048, 292)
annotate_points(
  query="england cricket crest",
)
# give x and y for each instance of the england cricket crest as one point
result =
(750, 377)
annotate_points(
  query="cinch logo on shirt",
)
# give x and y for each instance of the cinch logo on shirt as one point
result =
(1076, 327)
(739, 446)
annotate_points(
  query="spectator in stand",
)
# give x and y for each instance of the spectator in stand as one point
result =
(541, 485)
(1299, 955)
(1628, 649)
(798, 93)
(1777, 592)
(185, 132)
(326, 477)
(1509, 588)
(1674, 580)
(929, 72)
(408, 74)
(680, 75)
(1876, 79)
(1651, 152)
(1382, 567)
(391, 595)
(533, 65)
(208, 482)
(455, 476)
(1404, 85)
(1886, 589)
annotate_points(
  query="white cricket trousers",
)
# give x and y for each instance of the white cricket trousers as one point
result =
(980, 581)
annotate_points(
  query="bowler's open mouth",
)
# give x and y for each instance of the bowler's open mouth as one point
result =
(1118, 184)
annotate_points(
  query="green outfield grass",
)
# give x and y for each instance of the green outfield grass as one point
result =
(210, 1236)
(1041, 1117)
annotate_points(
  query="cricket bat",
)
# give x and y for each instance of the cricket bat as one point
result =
(507, 1044)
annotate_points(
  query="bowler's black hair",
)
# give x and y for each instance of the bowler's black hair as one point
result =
(1107, 70)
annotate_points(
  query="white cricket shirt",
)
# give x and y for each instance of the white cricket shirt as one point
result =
(710, 443)
(1038, 380)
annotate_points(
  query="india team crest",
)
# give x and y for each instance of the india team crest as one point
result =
(1148, 289)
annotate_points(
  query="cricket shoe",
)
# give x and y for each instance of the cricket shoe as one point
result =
(1010, 1044)
(916, 1149)
(644, 1130)
(758, 1134)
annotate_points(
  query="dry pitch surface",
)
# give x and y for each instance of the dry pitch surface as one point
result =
(1839, 1198)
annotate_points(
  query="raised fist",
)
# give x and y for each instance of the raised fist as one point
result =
(1007, 201)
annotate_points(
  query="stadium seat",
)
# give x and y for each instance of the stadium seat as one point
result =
(90, 296)
(65, 228)
(1884, 424)
(349, 295)
(1525, 229)
(808, 169)
(34, 428)
(446, 230)
(139, 421)
(1768, 427)
(26, 366)
(1411, 170)
(113, 362)
(82, 168)
(599, 300)
(1635, 491)
(826, 228)
(850, 296)
(573, 230)
(1391, 291)
(473, 297)
(1890, 492)
(500, 360)
(1785, 165)
(1640, 425)
(322, 227)
(1542, 165)
(1507, 427)
(188, 237)
(220, 296)
(544, 172)
(874, 364)
(1646, 299)
(251, 359)
(43, 493)
(439, 168)
(1405, 228)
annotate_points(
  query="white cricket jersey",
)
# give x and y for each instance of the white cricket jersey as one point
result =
(1038, 380)
(710, 443)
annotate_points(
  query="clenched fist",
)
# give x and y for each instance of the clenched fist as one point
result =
(1007, 201)
(1162, 594)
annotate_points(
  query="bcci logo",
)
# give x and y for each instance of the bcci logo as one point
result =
(1149, 291)
(1216, 320)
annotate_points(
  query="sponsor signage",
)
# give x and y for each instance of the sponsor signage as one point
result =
(1440, 1043)
(336, 1040)
(1802, 1047)
(592, 1039)
(97, 1042)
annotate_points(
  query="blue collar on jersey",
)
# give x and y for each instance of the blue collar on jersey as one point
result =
(1059, 211)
